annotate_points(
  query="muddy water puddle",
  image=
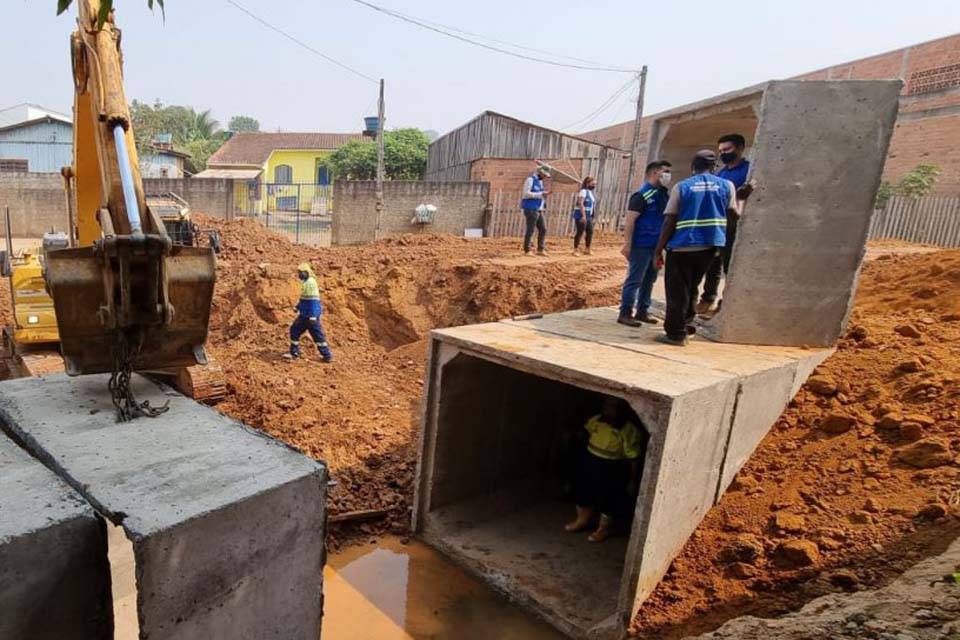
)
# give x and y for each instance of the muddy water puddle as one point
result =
(394, 590)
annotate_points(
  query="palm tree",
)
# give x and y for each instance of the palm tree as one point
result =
(202, 126)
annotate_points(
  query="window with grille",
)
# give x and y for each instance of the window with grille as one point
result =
(14, 165)
(283, 174)
(934, 79)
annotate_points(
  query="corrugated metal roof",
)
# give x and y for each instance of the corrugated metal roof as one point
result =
(26, 112)
(254, 148)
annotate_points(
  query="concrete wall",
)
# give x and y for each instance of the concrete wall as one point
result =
(37, 201)
(817, 158)
(460, 206)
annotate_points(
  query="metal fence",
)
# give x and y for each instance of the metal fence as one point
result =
(506, 218)
(930, 220)
(300, 212)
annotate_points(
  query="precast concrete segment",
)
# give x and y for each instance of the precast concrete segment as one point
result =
(227, 524)
(705, 408)
(817, 157)
(54, 573)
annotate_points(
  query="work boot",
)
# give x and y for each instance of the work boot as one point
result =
(576, 252)
(527, 252)
(542, 252)
(582, 521)
(675, 342)
(587, 252)
(646, 318)
(291, 356)
(603, 530)
(630, 321)
(705, 307)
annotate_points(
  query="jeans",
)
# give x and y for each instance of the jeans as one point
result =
(637, 288)
(711, 283)
(684, 272)
(536, 221)
(313, 326)
(583, 228)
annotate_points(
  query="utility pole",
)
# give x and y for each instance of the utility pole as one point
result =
(635, 148)
(380, 132)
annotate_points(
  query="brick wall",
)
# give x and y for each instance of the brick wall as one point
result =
(460, 206)
(931, 92)
(507, 175)
(37, 201)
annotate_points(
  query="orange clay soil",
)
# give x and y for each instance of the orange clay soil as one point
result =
(857, 480)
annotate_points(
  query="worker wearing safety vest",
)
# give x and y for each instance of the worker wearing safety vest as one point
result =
(534, 207)
(694, 231)
(608, 476)
(308, 316)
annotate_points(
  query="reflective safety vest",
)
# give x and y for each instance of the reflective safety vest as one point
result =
(533, 203)
(309, 305)
(588, 200)
(651, 202)
(702, 219)
(610, 443)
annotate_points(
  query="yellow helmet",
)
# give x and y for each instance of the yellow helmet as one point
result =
(305, 267)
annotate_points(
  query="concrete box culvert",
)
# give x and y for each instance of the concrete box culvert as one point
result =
(226, 523)
(500, 398)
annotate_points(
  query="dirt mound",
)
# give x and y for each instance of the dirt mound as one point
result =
(360, 414)
(860, 474)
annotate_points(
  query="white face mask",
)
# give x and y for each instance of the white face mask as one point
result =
(665, 178)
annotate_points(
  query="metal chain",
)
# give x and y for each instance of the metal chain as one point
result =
(126, 403)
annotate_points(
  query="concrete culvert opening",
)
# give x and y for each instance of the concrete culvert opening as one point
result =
(508, 451)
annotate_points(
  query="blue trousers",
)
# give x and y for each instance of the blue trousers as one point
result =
(638, 287)
(303, 324)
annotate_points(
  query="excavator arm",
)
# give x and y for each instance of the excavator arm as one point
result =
(126, 297)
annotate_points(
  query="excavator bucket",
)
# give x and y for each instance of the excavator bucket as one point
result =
(101, 301)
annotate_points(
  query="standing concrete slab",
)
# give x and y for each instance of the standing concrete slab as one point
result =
(227, 524)
(500, 400)
(54, 574)
(818, 155)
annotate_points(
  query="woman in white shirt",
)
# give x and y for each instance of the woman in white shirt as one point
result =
(583, 215)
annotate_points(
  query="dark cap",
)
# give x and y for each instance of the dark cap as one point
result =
(706, 156)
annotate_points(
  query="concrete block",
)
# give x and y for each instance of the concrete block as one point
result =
(227, 524)
(54, 574)
(818, 154)
(499, 399)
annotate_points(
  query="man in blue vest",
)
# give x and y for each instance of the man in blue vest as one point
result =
(533, 204)
(308, 316)
(640, 235)
(694, 230)
(736, 169)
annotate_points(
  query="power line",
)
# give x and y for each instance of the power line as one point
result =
(429, 27)
(503, 42)
(590, 117)
(301, 43)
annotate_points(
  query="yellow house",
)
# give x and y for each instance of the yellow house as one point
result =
(278, 171)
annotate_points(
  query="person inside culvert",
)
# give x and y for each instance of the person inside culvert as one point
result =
(308, 316)
(609, 468)
(694, 232)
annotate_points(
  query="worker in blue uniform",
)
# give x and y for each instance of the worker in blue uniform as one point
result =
(533, 203)
(640, 234)
(308, 316)
(694, 231)
(736, 169)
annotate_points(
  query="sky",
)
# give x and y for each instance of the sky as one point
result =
(210, 55)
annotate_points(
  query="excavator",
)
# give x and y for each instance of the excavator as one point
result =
(126, 296)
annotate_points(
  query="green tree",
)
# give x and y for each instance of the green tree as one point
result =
(919, 182)
(241, 124)
(404, 151)
(105, 7)
(195, 133)
(884, 193)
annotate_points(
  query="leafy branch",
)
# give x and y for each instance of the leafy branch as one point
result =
(105, 7)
